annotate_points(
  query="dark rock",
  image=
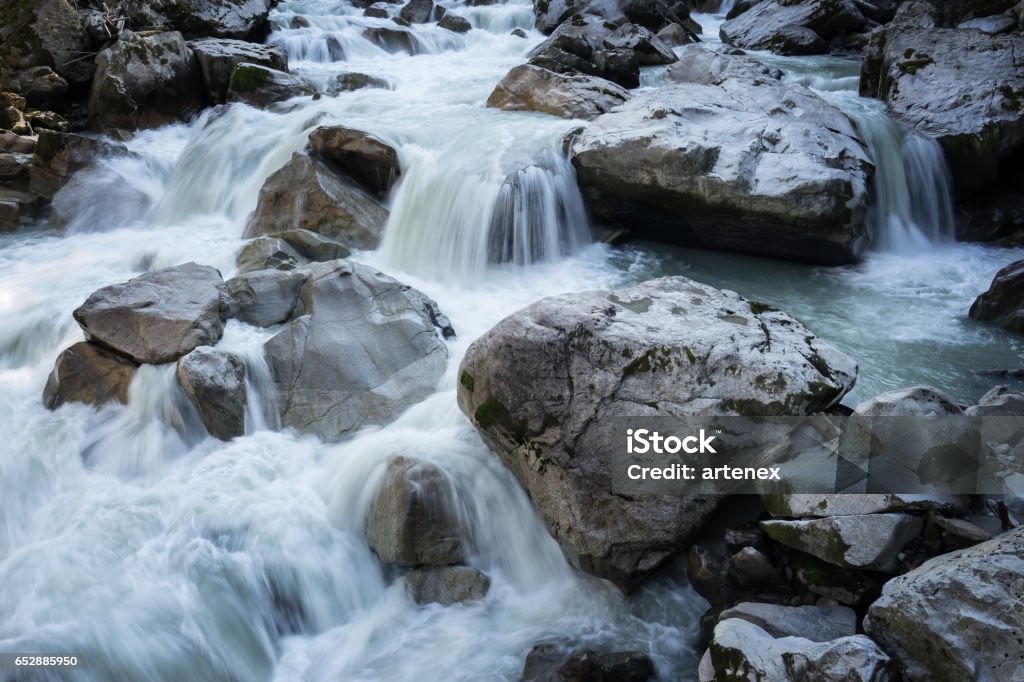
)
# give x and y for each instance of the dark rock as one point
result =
(86, 373)
(816, 623)
(447, 585)
(648, 47)
(265, 297)
(43, 88)
(455, 23)
(14, 170)
(709, 576)
(518, 33)
(10, 143)
(58, 156)
(752, 569)
(391, 39)
(47, 120)
(362, 157)
(851, 587)
(797, 40)
(243, 19)
(1003, 303)
(218, 58)
(578, 47)
(214, 381)
(157, 317)
(674, 35)
(378, 10)
(347, 82)
(759, 27)
(37, 33)
(555, 663)
(14, 207)
(532, 88)
(260, 86)
(268, 253)
(418, 11)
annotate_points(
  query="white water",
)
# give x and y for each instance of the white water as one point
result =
(129, 538)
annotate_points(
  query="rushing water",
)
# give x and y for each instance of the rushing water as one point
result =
(131, 539)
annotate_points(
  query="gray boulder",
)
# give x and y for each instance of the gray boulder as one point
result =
(260, 86)
(363, 157)
(957, 616)
(244, 19)
(1003, 303)
(145, 80)
(779, 173)
(447, 585)
(44, 33)
(869, 541)
(329, 204)
(579, 47)
(674, 35)
(417, 11)
(543, 388)
(532, 88)
(963, 87)
(157, 317)
(214, 381)
(410, 520)
(743, 651)
(265, 297)
(87, 373)
(218, 57)
(816, 623)
(455, 23)
(770, 24)
(364, 348)
(268, 253)
(649, 48)
(552, 662)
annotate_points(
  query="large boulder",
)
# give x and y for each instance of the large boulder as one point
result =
(781, 173)
(1003, 303)
(157, 317)
(214, 381)
(957, 617)
(410, 522)
(244, 19)
(87, 373)
(363, 157)
(218, 57)
(311, 194)
(261, 86)
(58, 156)
(961, 86)
(145, 80)
(580, 46)
(545, 385)
(770, 25)
(44, 33)
(743, 651)
(532, 88)
(365, 348)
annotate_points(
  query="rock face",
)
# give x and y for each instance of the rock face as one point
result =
(730, 159)
(793, 26)
(958, 616)
(215, 383)
(157, 317)
(261, 86)
(743, 651)
(544, 385)
(44, 33)
(310, 194)
(961, 86)
(363, 157)
(409, 521)
(265, 297)
(86, 373)
(868, 542)
(245, 19)
(145, 80)
(218, 57)
(364, 349)
(532, 88)
(554, 663)
(1003, 303)
(447, 585)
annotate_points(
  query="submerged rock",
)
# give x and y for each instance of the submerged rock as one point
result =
(87, 373)
(730, 159)
(543, 388)
(363, 350)
(554, 663)
(1003, 303)
(157, 317)
(362, 156)
(214, 381)
(261, 86)
(958, 616)
(218, 58)
(532, 88)
(447, 585)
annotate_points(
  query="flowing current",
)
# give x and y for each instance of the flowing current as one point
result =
(155, 553)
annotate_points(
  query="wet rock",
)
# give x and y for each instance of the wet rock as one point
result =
(307, 193)
(10, 143)
(788, 24)
(378, 10)
(312, 246)
(1003, 303)
(410, 521)
(532, 88)
(261, 87)
(391, 39)
(218, 58)
(417, 11)
(43, 88)
(58, 156)
(798, 191)
(159, 316)
(47, 120)
(963, 87)
(578, 47)
(145, 80)
(544, 385)
(709, 576)
(14, 206)
(37, 33)
(851, 587)
(998, 402)
(816, 623)
(265, 297)
(347, 82)
(555, 663)
(363, 350)
(652, 14)
(362, 157)
(243, 19)
(447, 585)
(958, 616)
(14, 170)
(214, 381)
(12, 113)
(455, 23)
(868, 542)
(743, 651)
(649, 48)
(87, 373)
(752, 569)
(268, 253)
(518, 32)
(674, 35)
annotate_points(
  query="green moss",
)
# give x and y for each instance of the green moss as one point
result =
(1012, 99)
(757, 307)
(914, 62)
(247, 78)
(467, 380)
